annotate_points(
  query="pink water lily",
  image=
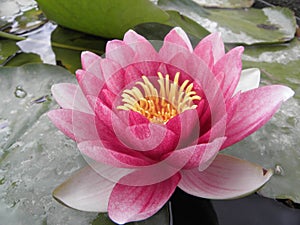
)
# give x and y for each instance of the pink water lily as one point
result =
(148, 121)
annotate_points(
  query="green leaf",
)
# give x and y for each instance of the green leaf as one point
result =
(107, 18)
(7, 49)
(23, 58)
(190, 26)
(268, 25)
(276, 145)
(70, 58)
(34, 156)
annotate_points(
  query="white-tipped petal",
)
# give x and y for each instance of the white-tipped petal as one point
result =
(249, 80)
(227, 177)
(86, 190)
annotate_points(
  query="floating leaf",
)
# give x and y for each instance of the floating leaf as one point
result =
(276, 145)
(249, 26)
(7, 49)
(34, 156)
(76, 43)
(23, 58)
(157, 31)
(107, 18)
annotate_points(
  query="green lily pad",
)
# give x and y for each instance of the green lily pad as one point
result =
(276, 145)
(34, 156)
(7, 49)
(249, 26)
(157, 31)
(107, 18)
(72, 43)
(22, 59)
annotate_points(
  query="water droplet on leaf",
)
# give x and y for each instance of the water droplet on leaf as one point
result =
(278, 170)
(20, 92)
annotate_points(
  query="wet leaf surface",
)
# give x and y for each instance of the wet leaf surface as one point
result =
(249, 26)
(34, 156)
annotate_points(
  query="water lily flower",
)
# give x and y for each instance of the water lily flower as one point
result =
(148, 121)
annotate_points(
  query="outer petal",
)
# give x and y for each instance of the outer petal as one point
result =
(76, 125)
(89, 83)
(98, 152)
(254, 109)
(175, 42)
(210, 49)
(69, 96)
(90, 62)
(86, 190)
(179, 37)
(228, 70)
(141, 46)
(249, 80)
(132, 203)
(227, 177)
(120, 52)
(199, 156)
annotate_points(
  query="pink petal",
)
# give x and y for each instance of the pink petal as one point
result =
(98, 151)
(137, 133)
(141, 46)
(86, 190)
(89, 60)
(120, 52)
(228, 70)
(210, 49)
(253, 110)
(76, 125)
(226, 177)
(69, 96)
(175, 44)
(179, 37)
(186, 126)
(92, 63)
(89, 83)
(133, 203)
(199, 156)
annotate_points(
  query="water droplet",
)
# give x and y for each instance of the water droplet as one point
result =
(20, 92)
(278, 170)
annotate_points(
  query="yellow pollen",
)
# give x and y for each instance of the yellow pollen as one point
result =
(160, 105)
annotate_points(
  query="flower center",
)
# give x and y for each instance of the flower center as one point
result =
(160, 104)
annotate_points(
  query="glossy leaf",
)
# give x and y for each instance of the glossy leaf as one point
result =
(268, 25)
(7, 49)
(34, 156)
(76, 42)
(102, 17)
(276, 145)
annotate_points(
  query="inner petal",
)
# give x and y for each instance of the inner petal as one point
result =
(161, 102)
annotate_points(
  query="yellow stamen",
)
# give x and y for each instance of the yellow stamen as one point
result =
(161, 105)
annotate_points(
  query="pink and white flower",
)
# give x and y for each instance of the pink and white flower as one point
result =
(149, 121)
